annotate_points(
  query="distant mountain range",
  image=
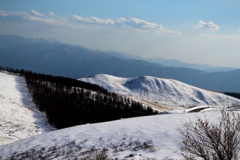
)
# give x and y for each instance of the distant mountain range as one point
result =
(76, 61)
(6, 41)
(11, 40)
(173, 63)
(44, 39)
(71, 61)
(176, 63)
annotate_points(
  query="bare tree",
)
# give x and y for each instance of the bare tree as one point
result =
(212, 140)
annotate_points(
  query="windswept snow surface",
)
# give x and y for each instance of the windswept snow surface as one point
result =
(162, 91)
(19, 117)
(159, 134)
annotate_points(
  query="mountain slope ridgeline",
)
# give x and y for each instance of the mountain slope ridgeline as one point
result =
(163, 91)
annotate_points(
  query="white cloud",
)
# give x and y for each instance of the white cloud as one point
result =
(51, 13)
(23, 17)
(49, 21)
(147, 27)
(133, 24)
(92, 20)
(210, 26)
(39, 19)
(35, 13)
(138, 23)
(121, 20)
(222, 37)
(3, 13)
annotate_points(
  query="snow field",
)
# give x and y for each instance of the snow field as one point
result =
(19, 117)
(122, 137)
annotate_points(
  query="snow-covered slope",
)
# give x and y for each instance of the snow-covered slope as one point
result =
(19, 117)
(162, 91)
(151, 136)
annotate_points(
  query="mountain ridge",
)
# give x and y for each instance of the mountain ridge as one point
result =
(163, 91)
(77, 61)
(176, 63)
(9, 40)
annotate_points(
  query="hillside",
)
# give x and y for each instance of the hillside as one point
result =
(19, 117)
(162, 91)
(68, 102)
(153, 136)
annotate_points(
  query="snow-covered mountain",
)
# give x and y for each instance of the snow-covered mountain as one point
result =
(161, 91)
(45, 39)
(19, 117)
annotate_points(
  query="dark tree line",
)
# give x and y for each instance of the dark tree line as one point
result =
(233, 94)
(68, 102)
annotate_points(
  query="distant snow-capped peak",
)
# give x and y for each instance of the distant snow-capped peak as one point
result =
(43, 39)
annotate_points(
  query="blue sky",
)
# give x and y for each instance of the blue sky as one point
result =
(196, 31)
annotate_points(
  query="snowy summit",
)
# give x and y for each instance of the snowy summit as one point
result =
(163, 91)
